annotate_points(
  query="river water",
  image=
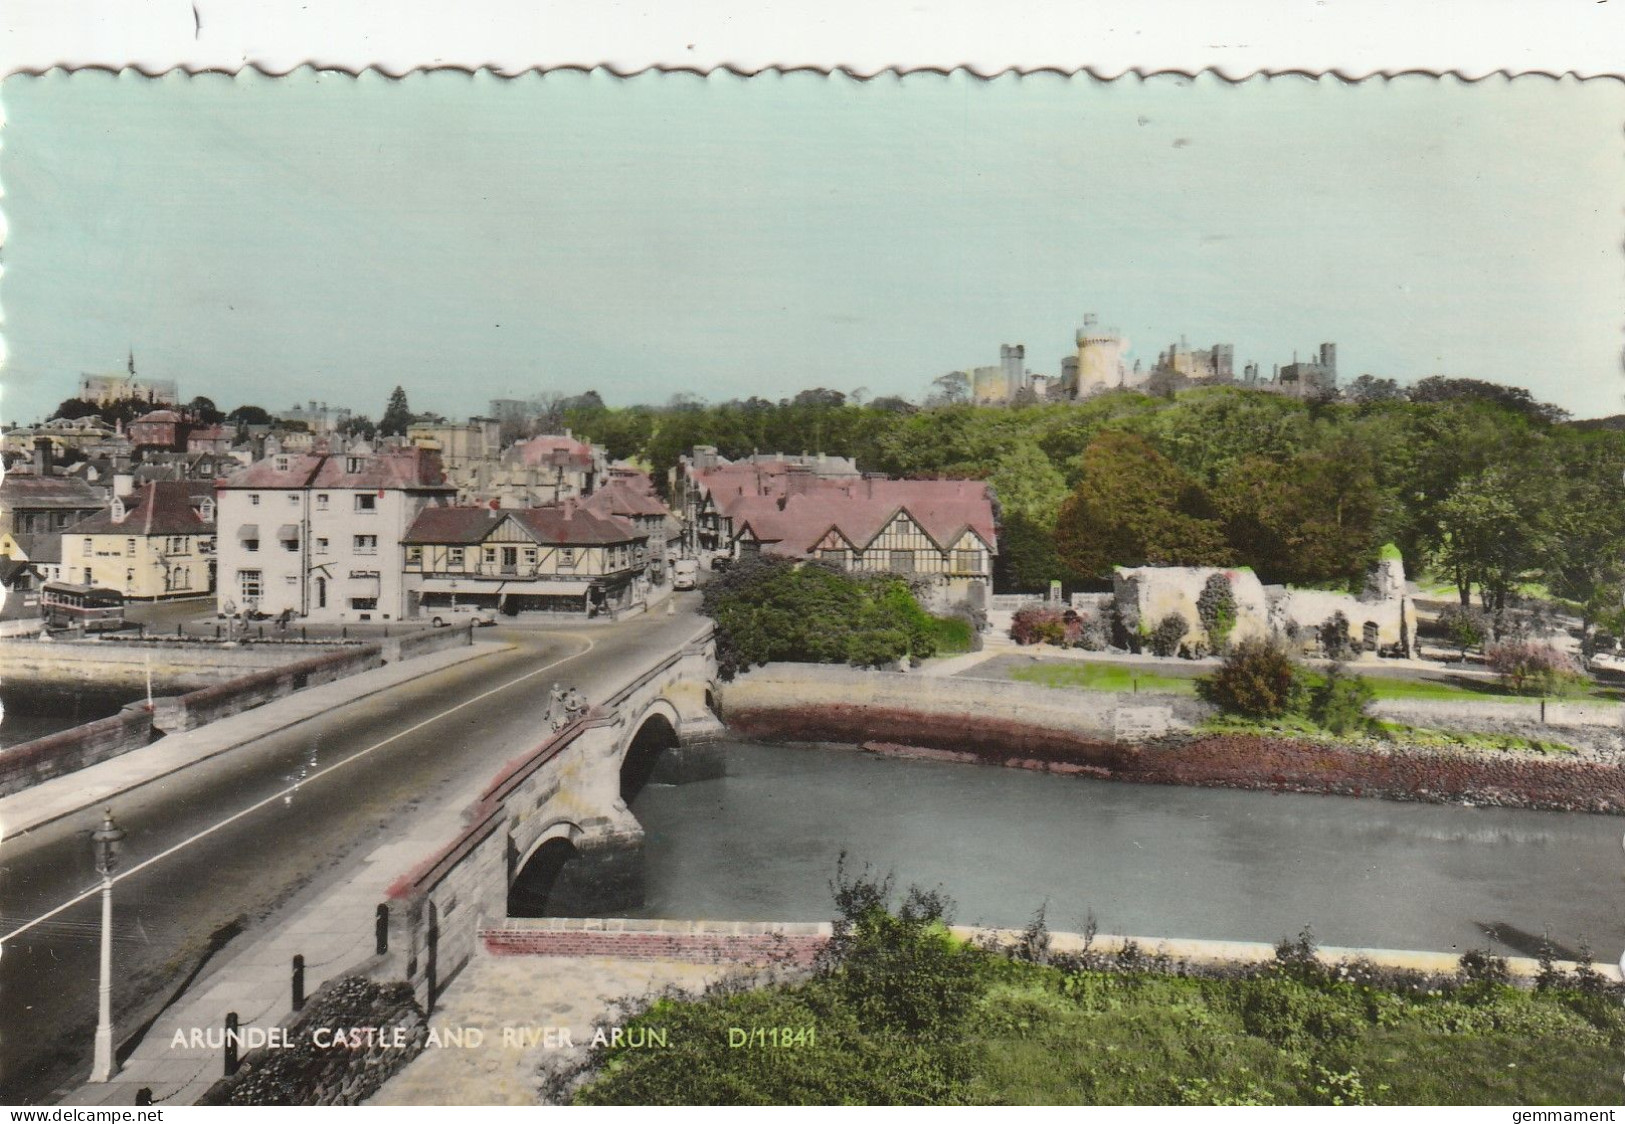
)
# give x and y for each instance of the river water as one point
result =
(34, 709)
(1150, 860)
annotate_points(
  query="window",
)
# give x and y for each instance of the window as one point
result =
(88, 547)
(836, 556)
(321, 546)
(364, 603)
(902, 561)
(253, 499)
(530, 555)
(293, 499)
(366, 501)
(567, 556)
(968, 561)
(366, 544)
(129, 547)
(290, 545)
(251, 545)
(454, 557)
(291, 579)
(249, 585)
(354, 464)
(206, 511)
(489, 554)
(281, 462)
(321, 501)
(414, 555)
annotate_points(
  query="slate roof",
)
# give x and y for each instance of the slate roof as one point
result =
(407, 469)
(163, 507)
(48, 492)
(41, 547)
(566, 525)
(621, 497)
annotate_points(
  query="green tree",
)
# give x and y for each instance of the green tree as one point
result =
(1258, 679)
(1485, 537)
(1133, 507)
(1312, 519)
(250, 415)
(397, 415)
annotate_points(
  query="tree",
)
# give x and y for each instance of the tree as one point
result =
(1438, 388)
(72, 408)
(949, 390)
(1464, 627)
(1311, 519)
(205, 411)
(357, 425)
(249, 415)
(1368, 389)
(1134, 508)
(397, 415)
(1486, 537)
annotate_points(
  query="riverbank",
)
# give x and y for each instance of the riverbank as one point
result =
(1148, 739)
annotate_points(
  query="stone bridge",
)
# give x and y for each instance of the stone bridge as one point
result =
(553, 834)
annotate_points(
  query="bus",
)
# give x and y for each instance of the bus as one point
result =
(85, 607)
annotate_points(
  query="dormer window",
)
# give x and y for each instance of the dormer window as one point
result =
(282, 461)
(118, 510)
(354, 464)
(206, 511)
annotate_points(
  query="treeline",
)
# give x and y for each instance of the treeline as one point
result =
(1480, 483)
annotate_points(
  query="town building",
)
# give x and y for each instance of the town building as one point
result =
(556, 559)
(107, 389)
(155, 541)
(159, 429)
(633, 499)
(318, 534)
(462, 446)
(317, 417)
(700, 482)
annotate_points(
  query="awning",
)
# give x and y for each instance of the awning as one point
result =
(471, 586)
(361, 587)
(288, 532)
(248, 531)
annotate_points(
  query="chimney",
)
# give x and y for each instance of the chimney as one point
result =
(123, 484)
(42, 456)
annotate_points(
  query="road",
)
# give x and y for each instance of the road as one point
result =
(414, 745)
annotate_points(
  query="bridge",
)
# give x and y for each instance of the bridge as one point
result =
(553, 834)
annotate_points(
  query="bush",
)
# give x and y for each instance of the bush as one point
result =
(1166, 637)
(1533, 667)
(1258, 679)
(1463, 627)
(1338, 702)
(1334, 637)
(1216, 606)
(1038, 624)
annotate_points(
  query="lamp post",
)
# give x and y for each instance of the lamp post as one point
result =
(105, 842)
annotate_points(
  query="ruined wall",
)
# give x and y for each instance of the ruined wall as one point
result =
(1148, 594)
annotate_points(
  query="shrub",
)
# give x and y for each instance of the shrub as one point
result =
(1258, 679)
(1093, 636)
(1166, 637)
(1037, 624)
(1464, 627)
(1338, 702)
(1534, 667)
(900, 969)
(1334, 637)
(1216, 606)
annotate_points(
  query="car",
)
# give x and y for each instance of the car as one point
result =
(450, 614)
(685, 573)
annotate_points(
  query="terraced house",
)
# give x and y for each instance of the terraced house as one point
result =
(556, 559)
(318, 534)
(157, 542)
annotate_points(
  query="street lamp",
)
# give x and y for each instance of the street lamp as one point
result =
(104, 843)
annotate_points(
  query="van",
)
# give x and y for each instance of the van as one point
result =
(685, 573)
(452, 614)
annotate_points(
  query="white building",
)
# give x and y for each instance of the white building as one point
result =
(319, 534)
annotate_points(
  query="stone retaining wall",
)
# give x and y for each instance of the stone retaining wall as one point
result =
(979, 718)
(698, 942)
(249, 691)
(127, 662)
(423, 643)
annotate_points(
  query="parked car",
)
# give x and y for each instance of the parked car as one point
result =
(685, 573)
(451, 614)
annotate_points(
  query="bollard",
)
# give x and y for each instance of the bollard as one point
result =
(344, 632)
(262, 632)
(301, 632)
(217, 632)
(298, 982)
(232, 1038)
(177, 631)
(380, 928)
(1543, 712)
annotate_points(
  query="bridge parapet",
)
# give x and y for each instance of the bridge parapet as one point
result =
(553, 830)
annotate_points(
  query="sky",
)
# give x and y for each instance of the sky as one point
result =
(320, 236)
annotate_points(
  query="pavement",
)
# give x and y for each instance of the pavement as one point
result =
(64, 796)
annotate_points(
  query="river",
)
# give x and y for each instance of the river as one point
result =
(1151, 860)
(34, 709)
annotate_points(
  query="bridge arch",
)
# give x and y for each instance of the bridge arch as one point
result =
(655, 732)
(535, 878)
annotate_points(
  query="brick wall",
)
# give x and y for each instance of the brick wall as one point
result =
(699, 942)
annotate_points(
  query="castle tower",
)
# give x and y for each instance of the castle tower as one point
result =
(1100, 357)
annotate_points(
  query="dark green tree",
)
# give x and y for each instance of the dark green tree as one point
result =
(397, 415)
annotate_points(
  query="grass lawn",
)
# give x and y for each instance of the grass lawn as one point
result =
(1101, 676)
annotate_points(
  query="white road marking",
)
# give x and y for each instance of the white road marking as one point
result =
(274, 797)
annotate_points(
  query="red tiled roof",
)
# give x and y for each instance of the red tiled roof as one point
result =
(619, 497)
(567, 524)
(550, 448)
(163, 507)
(859, 510)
